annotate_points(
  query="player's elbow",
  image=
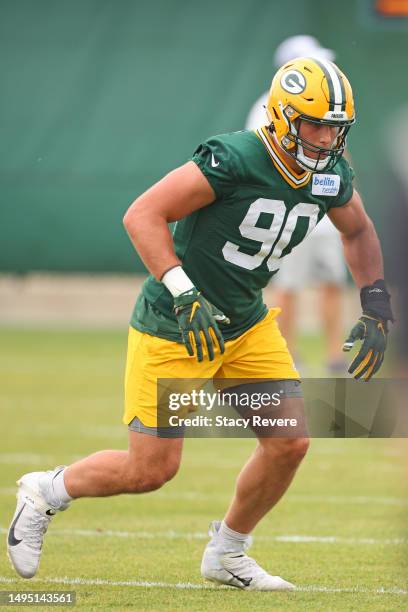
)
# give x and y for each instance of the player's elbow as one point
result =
(136, 219)
(132, 216)
(140, 216)
(126, 219)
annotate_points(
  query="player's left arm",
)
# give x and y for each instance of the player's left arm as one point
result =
(362, 248)
(363, 255)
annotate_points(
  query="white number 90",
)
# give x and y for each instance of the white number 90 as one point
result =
(268, 237)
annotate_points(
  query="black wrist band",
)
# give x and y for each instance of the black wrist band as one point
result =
(376, 301)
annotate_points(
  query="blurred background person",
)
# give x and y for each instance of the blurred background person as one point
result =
(319, 259)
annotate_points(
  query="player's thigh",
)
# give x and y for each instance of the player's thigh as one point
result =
(260, 353)
(288, 442)
(282, 420)
(276, 415)
(155, 368)
(280, 426)
(274, 408)
(154, 455)
(260, 367)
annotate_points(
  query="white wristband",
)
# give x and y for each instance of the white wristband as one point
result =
(177, 281)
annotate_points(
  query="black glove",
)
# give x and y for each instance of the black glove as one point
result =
(372, 329)
(197, 318)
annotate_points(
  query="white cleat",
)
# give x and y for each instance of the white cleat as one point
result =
(237, 569)
(30, 522)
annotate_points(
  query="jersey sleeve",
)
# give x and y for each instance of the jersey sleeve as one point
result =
(346, 174)
(216, 161)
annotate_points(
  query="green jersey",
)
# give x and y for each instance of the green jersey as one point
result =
(231, 248)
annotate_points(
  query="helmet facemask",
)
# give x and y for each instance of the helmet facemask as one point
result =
(298, 147)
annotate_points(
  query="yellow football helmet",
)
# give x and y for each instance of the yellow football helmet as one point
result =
(315, 90)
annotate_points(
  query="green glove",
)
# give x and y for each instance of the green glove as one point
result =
(373, 332)
(372, 328)
(198, 320)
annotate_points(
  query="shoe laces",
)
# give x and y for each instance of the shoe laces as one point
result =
(36, 529)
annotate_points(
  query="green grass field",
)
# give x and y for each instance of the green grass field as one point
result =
(339, 534)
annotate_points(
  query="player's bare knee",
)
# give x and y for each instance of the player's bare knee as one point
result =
(151, 462)
(151, 475)
(145, 481)
(294, 451)
(299, 448)
(289, 451)
(152, 482)
(171, 468)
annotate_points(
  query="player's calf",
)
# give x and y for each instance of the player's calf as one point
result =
(147, 465)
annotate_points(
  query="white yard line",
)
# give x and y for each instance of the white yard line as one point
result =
(26, 458)
(294, 498)
(304, 539)
(193, 586)
(348, 500)
(180, 535)
(30, 459)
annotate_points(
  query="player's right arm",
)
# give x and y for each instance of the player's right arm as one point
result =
(177, 195)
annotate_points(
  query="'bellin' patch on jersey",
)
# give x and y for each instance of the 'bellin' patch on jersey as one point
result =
(325, 184)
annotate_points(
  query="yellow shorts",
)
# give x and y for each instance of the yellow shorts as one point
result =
(260, 352)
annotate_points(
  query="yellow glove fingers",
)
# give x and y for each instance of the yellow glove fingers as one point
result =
(360, 366)
(218, 340)
(208, 343)
(198, 345)
(363, 370)
(369, 372)
(188, 342)
(378, 364)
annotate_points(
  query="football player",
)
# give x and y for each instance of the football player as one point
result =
(318, 261)
(243, 202)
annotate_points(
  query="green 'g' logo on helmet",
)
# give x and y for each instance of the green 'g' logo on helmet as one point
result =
(293, 81)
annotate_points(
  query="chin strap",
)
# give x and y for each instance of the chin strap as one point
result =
(302, 159)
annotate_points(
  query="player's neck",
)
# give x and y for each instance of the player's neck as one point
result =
(287, 158)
